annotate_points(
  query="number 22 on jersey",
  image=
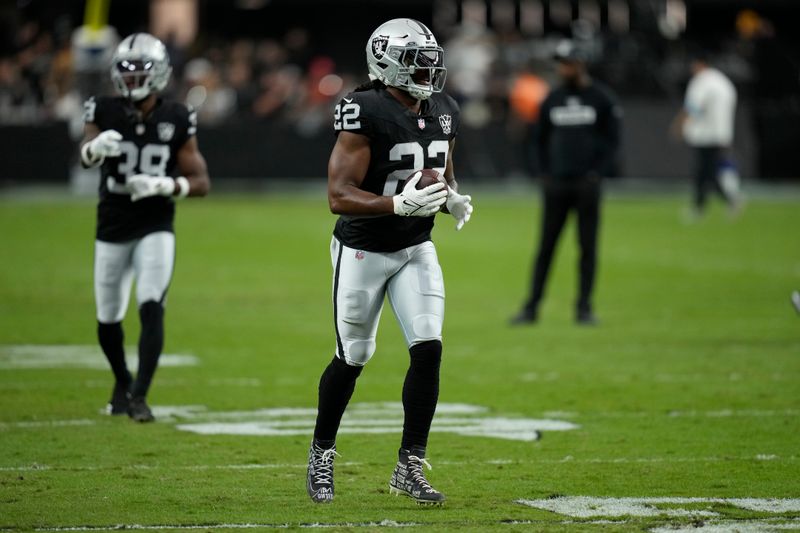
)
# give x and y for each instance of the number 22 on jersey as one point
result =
(417, 154)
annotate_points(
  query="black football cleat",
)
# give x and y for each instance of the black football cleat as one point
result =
(139, 411)
(118, 404)
(586, 318)
(408, 479)
(524, 317)
(319, 479)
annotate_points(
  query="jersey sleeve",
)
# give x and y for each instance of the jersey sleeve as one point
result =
(352, 114)
(185, 122)
(96, 111)
(456, 119)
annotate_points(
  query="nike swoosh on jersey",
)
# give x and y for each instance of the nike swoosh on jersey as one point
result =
(348, 100)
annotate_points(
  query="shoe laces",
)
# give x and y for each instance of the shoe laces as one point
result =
(323, 465)
(415, 465)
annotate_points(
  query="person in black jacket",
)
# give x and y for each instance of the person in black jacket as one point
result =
(578, 139)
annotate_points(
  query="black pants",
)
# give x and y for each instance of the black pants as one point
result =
(560, 197)
(706, 170)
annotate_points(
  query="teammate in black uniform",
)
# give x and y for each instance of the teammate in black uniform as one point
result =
(578, 140)
(148, 157)
(388, 130)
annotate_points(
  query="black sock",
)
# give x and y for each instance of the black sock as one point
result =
(151, 341)
(420, 393)
(111, 340)
(335, 389)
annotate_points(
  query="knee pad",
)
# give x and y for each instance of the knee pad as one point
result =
(426, 327)
(358, 352)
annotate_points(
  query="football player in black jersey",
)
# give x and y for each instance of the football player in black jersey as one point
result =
(148, 157)
(387, 131)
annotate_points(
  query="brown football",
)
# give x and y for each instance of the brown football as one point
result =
(429, 177)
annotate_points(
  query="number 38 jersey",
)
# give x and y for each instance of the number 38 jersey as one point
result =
(149, 146)
(401, 142)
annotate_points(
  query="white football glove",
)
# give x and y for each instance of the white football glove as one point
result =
(459, 206)
(419, 203)
(106, 144)
(145, 186)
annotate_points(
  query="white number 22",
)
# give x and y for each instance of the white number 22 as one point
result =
(413, 149)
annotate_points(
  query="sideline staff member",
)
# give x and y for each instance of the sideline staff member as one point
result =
(578, 139)
(706, 122)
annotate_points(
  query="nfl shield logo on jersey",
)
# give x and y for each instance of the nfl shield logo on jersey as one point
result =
(360, 255)
(446, 122)
(421, 123)
(166, 130)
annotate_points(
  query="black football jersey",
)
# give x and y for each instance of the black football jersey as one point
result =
(149, 146)
(401, 142)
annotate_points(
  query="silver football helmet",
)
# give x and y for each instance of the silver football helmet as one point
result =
(403, 53)
(140, 66)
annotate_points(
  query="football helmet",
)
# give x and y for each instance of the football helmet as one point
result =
(140, 66)
(403, 53)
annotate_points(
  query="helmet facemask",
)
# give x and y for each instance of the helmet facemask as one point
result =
(142, 69)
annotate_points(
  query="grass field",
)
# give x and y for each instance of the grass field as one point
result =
(689, 388)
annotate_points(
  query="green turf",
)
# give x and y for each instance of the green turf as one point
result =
(690, 387)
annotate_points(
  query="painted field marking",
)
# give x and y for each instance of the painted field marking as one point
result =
(595, 507)
(42, 356)
(769, 525)
(369, 418)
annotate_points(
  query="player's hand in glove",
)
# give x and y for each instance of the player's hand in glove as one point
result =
(106, 144)
(459, 206)
(145, 186)
(413, 202)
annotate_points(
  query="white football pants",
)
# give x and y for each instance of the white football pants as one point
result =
(150, 260)
(412, 278)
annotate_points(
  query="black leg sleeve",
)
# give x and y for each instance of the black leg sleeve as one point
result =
(556, 208)
(151, 341)
(336, 387)
(588, 223)
(421, 393)
(111, 340)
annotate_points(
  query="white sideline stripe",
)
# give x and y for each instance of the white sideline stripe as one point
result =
(47, 423)
(46, 356)
(268, 466)
(158, 527)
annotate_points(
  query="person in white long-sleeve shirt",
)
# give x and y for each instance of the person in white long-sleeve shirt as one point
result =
(706, 123)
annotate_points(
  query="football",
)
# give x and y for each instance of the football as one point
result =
(429, 177)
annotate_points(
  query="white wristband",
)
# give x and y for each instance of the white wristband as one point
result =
(88, 159)
(183, 187)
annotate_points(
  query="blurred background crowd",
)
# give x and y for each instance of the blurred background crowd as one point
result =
(272, 69)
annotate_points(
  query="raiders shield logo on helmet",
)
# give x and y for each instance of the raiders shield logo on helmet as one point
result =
(166, 130)
(379, 46)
